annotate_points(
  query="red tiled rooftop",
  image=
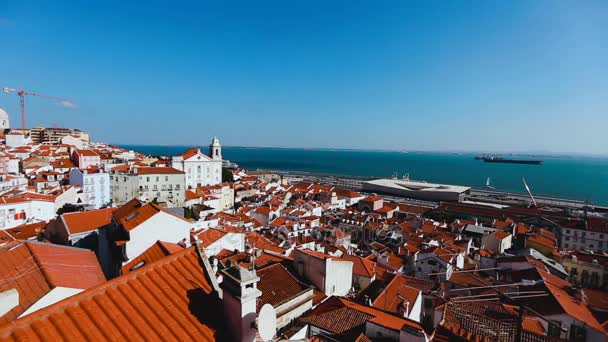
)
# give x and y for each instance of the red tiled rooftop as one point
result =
(171, 299)
(158, 171)
(35, 268)
(156, 252)
(278, 286)
(85, 221)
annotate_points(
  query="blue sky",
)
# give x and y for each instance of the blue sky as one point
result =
(429, 75)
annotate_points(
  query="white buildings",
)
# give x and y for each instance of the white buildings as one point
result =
(95, 185)
(166, 184)
(150, 223)
(332, 276)
(15, 211)
(201, 169)
(497, 242)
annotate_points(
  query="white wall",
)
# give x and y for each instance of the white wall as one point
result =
(163, 227)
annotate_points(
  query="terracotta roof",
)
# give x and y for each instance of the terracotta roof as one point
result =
(396, 293)
(539, 239)
(35, 268)
(85, 221)
(87, 153)
(156, 252)
(501, 234)
(158, 171)
(371, 199)
(338, 315)
(172, 299)
(26, 231)
(211, 235)
(190, 152)
(278, 286)
(361, 266)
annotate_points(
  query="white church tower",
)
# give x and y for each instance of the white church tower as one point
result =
(4, 122)
(215, 149)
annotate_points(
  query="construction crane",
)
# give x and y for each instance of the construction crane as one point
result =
(529, 192)
(22, 93)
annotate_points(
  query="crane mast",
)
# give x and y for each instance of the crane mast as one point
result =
(21, 93)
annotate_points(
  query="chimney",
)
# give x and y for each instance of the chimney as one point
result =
(239, 287)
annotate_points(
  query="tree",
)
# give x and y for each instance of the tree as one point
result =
(227, 175)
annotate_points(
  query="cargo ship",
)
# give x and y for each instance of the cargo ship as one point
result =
(509, 161)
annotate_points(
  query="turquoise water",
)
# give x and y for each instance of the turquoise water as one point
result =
(575, 177)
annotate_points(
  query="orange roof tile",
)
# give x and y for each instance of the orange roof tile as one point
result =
(156, 252)
(170, 299)
(35, 268)
(278, 286)
(85, 221)
(158, 171)
(395, 295)
(361, 266)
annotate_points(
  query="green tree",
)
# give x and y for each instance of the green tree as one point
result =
(227, 175)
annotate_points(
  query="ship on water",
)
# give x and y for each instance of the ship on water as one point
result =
(509, 161)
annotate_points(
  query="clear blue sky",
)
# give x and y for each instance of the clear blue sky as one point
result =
(432, 75)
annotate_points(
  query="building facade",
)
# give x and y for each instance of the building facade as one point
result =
(166, 184)
(201, 169)
(95, 185)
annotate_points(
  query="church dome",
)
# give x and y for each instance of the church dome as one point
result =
(3, 114)
(215, 141)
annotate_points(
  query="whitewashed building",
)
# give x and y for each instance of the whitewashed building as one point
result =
(201, 169)
(95, 185)
(166, 184)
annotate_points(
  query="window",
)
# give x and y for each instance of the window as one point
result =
(147, 179)
(176, 186)
(155, 187)
(567, 238)
(146, 187)
(157, 178)
(166, 178)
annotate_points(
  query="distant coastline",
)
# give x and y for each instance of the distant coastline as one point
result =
(539, 154)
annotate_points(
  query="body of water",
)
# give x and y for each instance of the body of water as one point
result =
(569, 177)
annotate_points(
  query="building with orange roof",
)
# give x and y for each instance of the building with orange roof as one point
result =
(343, 320)
(41, 274)
(95, 185)
(156, 252)
(85, 158)
(133, 307)
(330, 275)
(19, 209)
(201, 169)
(401, 299)
(214, 240)
(164, 184)
(288, 296)
(497, 242)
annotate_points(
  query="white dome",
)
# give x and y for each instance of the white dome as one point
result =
(4, 122)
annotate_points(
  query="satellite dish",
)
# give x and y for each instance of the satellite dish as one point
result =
(267, 322)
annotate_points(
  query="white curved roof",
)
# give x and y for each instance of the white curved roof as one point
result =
(3, 114)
